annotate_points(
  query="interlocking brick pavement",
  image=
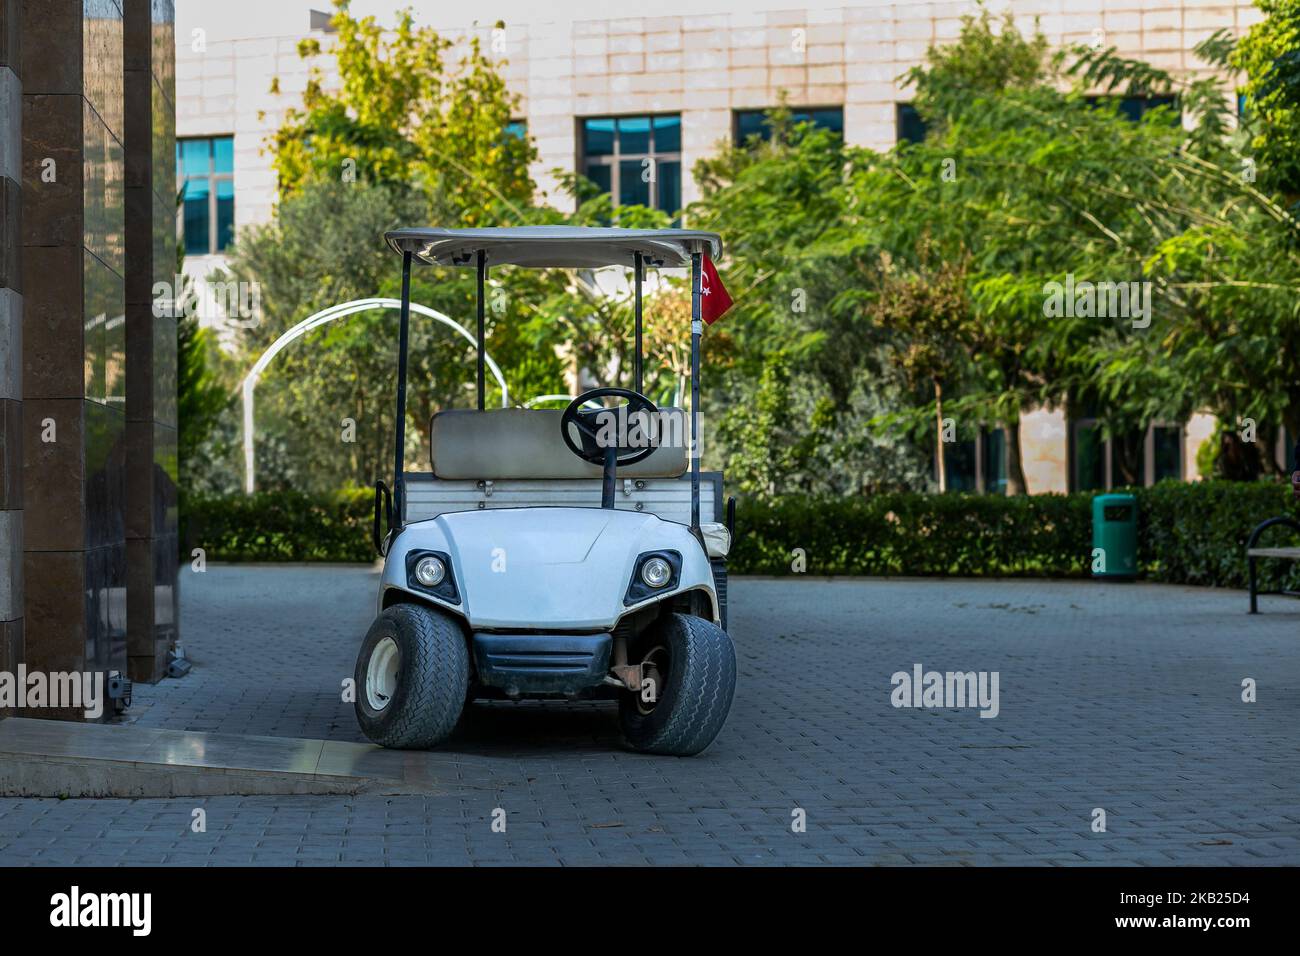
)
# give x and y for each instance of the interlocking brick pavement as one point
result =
(1125, 697)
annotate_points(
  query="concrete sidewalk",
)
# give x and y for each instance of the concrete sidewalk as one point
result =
(53, 758)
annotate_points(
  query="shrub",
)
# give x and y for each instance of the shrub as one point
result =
(912, 533)
(1188, 533)
(279, 526)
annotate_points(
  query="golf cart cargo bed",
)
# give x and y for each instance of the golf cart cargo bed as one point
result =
(667, 498)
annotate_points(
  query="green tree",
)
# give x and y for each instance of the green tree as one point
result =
(1269, 55)
(796, 319)
(402, 115)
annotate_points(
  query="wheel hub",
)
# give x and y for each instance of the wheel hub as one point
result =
(654, 671)
(381, 674)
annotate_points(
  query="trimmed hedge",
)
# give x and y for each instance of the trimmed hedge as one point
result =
(1189, 533)
(279, 526)
(1196, 533)
(919, 534)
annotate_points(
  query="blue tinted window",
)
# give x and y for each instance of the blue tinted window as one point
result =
(599, 173)
(195, 156)
(634, 134)
(196, 217)
(668, 134)
(831, 119)
(223, 155)
(205, 168)
(517, 129)
(225, 212)
(750, 123)
(599, 137)
(615, 151)
(633, 186)
(909, 123)
(1135, 107)
(670, 186)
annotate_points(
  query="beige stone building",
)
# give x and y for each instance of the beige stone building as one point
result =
(603, 92)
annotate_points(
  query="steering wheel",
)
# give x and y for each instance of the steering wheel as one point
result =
(589, 423)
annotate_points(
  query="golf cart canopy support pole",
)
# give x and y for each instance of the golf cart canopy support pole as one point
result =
(639, 269)
(697, 327)
(399, 485)
(482, 281)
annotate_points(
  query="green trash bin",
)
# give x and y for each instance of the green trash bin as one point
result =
(1114, 532)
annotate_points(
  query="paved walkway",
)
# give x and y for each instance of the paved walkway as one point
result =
(1120, 697)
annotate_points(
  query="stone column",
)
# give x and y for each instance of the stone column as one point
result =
(74, 338)
(11, 343)
(151, 502)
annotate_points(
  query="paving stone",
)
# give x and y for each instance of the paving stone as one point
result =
(1125, 697)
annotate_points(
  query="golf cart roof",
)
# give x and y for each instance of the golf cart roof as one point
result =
(561, 247)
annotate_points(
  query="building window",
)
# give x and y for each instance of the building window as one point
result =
(1135, 107)
(977, 462)
(755, 124)
(961, 465)
(636, 159)
(205, 170)
(1135, 459)
(517, 128)
(1167, 452)
(908, 122)
(993, 467)
(1089, 458)
(1128, 460)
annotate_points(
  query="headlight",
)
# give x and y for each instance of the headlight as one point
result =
(430, 572)
(656, 572)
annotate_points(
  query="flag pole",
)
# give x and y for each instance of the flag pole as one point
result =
(482, 280)
(697, 328)
(399, 479)
(639, 269)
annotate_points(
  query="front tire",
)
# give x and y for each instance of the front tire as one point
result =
(412, 677)
(692, 665)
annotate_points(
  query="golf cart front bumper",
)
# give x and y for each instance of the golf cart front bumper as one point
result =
(545, 570)
(541, 663)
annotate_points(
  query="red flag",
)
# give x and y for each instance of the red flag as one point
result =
(713, 294)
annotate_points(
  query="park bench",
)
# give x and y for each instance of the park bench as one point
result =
(1254, 553)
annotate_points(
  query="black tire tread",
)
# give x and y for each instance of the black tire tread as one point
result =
(703, 701)
(437, 668)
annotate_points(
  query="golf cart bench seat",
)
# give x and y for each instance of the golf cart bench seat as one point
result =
(525, 443)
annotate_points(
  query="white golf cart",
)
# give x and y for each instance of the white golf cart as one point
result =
(553, 554)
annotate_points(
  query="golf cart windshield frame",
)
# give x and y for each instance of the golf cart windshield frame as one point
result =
(565, 247)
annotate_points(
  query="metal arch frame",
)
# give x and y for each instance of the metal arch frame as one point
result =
(316, 320)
